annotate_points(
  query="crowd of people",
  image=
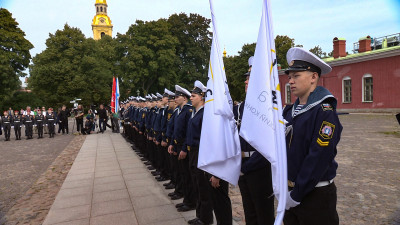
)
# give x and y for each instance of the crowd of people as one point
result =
(164, 130)
(40, 121)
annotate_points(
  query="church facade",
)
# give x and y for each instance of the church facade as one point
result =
(101, 24)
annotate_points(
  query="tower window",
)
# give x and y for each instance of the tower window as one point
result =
(97, 9)
(101, 9)
(102, 34)
(346, 90)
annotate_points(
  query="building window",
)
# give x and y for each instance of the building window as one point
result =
(101, 9)
(288, 94)
(367, 88)
(346, 90)
(97, 9)
(102, 34)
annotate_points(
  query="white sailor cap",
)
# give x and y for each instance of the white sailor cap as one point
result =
(180, 91)
(159, 96)
(300, 59)
(165, 94)
(250, 61)
(199, 88)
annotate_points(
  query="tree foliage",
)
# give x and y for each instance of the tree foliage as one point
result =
(282, 45)
(150, 56)
(14, 54)
(317, 50)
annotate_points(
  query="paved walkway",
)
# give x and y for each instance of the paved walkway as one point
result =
(108, 184)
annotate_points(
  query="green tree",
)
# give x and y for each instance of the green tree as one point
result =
(317, 50)
(20, 100)
(282, 45)
(194, 47)
(147, 56)
(54, 74)
(14, 54)
(236, 67)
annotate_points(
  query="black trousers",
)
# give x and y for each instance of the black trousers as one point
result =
(173, 165)
(7, 130)
(164, 161)
(28, 129)
(189, 197)
(221, 201)
(317, 207)
(63, 126)
(40, 129)
(200, 188)
(52, 128)
(257, 197)
(17, 130)
(79, 125)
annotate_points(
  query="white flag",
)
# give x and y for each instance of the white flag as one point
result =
(262, 123)
(219, 152)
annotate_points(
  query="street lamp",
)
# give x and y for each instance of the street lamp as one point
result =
(138, 92)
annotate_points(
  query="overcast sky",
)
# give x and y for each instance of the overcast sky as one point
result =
(310, 23)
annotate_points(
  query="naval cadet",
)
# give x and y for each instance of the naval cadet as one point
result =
(160, 127)
(179, 146)
(17, 120)
(28, 119)
(51, 122)
(39, 120)
(200, 182)
(6, 123)
(313, 131)
(255, 181)
(167, 139)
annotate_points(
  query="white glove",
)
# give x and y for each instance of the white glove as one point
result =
(290, 202)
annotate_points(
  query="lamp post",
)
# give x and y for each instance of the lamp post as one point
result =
(138, 92)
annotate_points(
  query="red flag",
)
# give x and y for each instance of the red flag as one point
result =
(113, 96)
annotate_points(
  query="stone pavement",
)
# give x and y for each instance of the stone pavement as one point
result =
(108, 184)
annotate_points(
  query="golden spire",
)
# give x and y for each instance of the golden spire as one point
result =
(224, 52)
(101, 23)
(101, 2)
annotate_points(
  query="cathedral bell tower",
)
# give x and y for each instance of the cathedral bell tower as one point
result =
(101, 22)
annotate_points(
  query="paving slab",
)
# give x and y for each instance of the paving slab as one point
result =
(109, 184)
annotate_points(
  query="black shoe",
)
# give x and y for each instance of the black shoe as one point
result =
(166, 184)
(156, 173)
(176, 197)
(171, 194)
(199, 222)
(170, 186)
(151, 168)
(162, 179)
(180, 205)
(185, 208)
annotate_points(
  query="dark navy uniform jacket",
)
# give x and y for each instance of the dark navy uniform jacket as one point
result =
(180, 127)
(170, 126)
(157, 124)
(16, 120)
(39, 119)
(311, 140)
(142, 119)
(194, 129)
(256, 160)
(163, 124)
